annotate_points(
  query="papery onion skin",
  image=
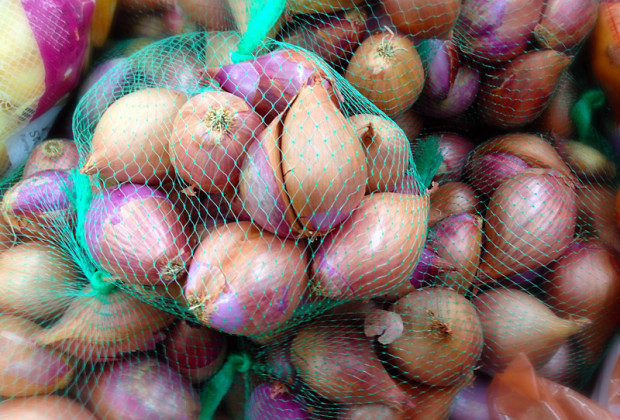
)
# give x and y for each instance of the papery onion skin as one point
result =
(453, 198)
(37, 280)
(25, 368)
(461, 96)
(442, 336)
(139, 388)
(120, 221)
(454, 150)
(44, 407)
(209, 137)
(195, 351)
(424, 18)
(386, 68)
(566, 24)
(487, 172)
(387, 151)
(518, 92)
(471, 402)
(597, 214)
(387, 232)
(515, 322)
(556, 118)
(339, 363)
(272, 400)
(496, 30)
(441, 63)
(232, 296)
(130, 142)
(55, 154)
(530, 220)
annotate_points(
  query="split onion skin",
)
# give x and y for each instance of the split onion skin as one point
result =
(386, 68)
(55, 154)
(208, 139)
(566, 24)
(227, 293)
(451, 199)
(45, 407)
(388, 232)
(423, 18)
(25, 368)
(130, 142)
(121, 221)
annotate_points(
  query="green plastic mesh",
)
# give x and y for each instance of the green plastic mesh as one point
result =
(315, 210)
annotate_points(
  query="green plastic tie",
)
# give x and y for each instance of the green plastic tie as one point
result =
(261, 21)
(214, 392)
(583, 114)
(427, 160)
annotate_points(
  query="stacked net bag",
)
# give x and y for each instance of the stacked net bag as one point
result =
(254, 221)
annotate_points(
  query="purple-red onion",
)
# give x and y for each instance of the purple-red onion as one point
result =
(273, 401)
(462, 94)
(454, 150)
(441, 61)
(562, 367)
(471, 402)
(487, 172)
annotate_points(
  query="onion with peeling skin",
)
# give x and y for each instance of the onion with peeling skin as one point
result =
(565, 24)
(56, 155)
(515, 322)
(387, 233)
(461, 95)
(530, 220)
(121, 221)
(597, 214)
(516, 93)
(424, 18)
(245, 299)
(25, 368)
(43, 408)
(453, 198)
(433, 335)
(103, 327)
(130, 142)
(454, 150)
(209, 137)
(441, 64)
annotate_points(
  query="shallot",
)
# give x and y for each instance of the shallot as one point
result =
(272, 400)
(52, 155)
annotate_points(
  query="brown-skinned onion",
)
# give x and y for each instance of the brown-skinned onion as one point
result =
(453, 198)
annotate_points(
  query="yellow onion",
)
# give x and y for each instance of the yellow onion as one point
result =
(515, 322)
(517, 93)
(587, 162)
(130, 142)
(565, 23)
(453, 198)
(102, 327)
(530, 220)
(386, 68)
(44, 407)
(26, 368)
(375, 250)
(245, 281)
(597, 214)
(438, 337)
(423, 18)
(37, 280)
(387, 151)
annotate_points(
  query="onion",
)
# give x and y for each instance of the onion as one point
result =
(441, 63)
(52, 155)
(270, 82)
(40, 206)
(562, 367)
(453, 198)
(120, 221)
(273, 401)
(7, 237)
(209, 137)
(25, 368)
(586, 161)
(488, 171)
(131, 139)
(103, 327)
(37, 280)
(144, 5)
(566, 24)
(514, 322)
(387, 151)
(497, 30)
(333, 38)
(410, 123)
(529, 221)
(368, 411)
(423, 18)
(139, 388)
(556, 118)
(458, 241)
(471, 402)
(433, 335)
(184, 72)
(280, 365)
(585, 282)
(43, 408)
(375, 250)
(517, 93)
(597, 214)
(220, 46)
(461, 96)
(454, 150)
(387, 70)
(339, 363)
(227, 293)
(311, 7)
(212, 15)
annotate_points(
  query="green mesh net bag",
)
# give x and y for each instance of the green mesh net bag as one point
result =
(316, 210)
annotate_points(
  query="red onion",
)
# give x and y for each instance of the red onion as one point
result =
(516, 93)
(423, 18)
(120, 221)
(454, 150)
(514, 322)
(488, 171)
(209, 137)
(451, 199)
(461, 96)
(339, 363)
(281, 365)
(195, 351)
(471, 402)
(40, 206)
(139, 388)
(441, 63)
(44, 407)
(272, 400)
(562, 367)
(530, 220)
(598, 214)
(566, 24)
(225, 292)
(556, 119)
(52, 155)
(410, 122)
(497, 30)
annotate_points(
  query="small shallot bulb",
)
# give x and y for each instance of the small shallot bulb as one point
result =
(423, 18)
(387, 69)
(56, 154)
(566, 23)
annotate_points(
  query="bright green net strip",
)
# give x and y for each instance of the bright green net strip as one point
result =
(261, 22)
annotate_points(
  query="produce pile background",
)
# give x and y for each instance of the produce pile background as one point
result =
(337, 209)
